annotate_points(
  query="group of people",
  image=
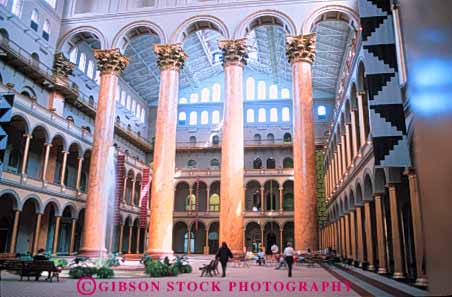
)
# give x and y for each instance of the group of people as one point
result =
(287, 258)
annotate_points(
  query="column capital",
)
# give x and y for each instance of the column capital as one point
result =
(28, 135)
(65, 152)
(62, 66)
(48, 144)
(234, 51)
(301, 48)
(80, 159)
(110, 61)
(170, 56)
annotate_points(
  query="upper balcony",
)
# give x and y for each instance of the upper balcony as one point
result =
(248, 144)
(191, 173)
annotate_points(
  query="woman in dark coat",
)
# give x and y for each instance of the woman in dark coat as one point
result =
(223, 255)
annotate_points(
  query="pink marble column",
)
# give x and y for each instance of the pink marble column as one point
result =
(171, 58)
(110, 63)
(301, 51)
(232, 147)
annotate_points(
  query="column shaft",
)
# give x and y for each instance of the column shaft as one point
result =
(129, 243)
(347, 236)
(396, 240)
(361, 120)
(369, 241)
(79, 174)
(380, 236)
(359, 237)
(354, 135)
(353, 235)
(46, 161)
(121, 237)
(26, 150)
(36, 234)
(344, 155)
(57, 233)
(72, 240)
(63, 169)
(12, 248)
(138, 240)
(348, 144)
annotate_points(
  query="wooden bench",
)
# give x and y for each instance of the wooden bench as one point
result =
(32, 269)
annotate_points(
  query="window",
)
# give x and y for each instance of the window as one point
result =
(191, 164)
(321, 112)
(262, 116)
(257, 138)
(205, 95)
(138, 112)
(194, 98)
(270, 138)
(287, 138)
(183, 100)
(271, 164)
(273, 92)
(82, 62)
(288, 163)
(46, 30)
(257, 163)
(215, 140)
(192, 140)
(17, 7)
(204, 117)
(191, 205)
(193, 118)
(73, 55)
(215, 117)
(90, 72)
(123, 98)
(273, 115)
(182, 118)
(128, 102)
(250, 115)
(261, 91)
(134, 104)
(216, 93)
(250, 92)
(214, 202)
(34, 20)
(285, 114)
(285, 94)
(214, 163)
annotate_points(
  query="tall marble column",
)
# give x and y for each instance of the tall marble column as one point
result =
(353, 235)
(369, 241)
(354, 134)
(110, 63)
(55, 237)
(347, 236)
(171, 59)
(12, 247)
(79, 173)
(300, 51)
(46, 162)
(396, 236)
(380, 235)
(28, 138)
(63, 169)
(359, 237)
(361, 119)
(34, 249)
(232, 147)
(72, 240)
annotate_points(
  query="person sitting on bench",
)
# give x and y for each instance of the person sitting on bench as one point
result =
(40, 256)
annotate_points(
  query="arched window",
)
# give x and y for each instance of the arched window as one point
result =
(250, 115)
(321, 112)
(214, 163)
(273, 115)
(273, 92)
(215, 140)
(270, 138)
(128, 102)
(261, 90)
(73, 55)
(205, 95)
(191, 164)
(190, 204)
(215, 117)
(90, 72)
(182, 118)
(250, 89)
(287, 138)
(271, 164)
(257, 138)
(214, 202)
(288, 163)
(183, 100)
(194, 98)
(257, 163)
(285, 114)
(193, 118)
(204, 117)
(285, 93)
(46, 30)
(262, 115)
(17, 7)
(192, 140)
(216, 92)
(34, 20)
(123, 98)
(82, 62)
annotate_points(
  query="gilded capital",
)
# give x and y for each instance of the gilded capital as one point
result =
(110, 61)
(62, 66)
(170, 56)
(234, 51)
(300, 48)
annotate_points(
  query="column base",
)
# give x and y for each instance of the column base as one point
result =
(421, 282)
(206, 250)
(382, 270)
(371, 267)
(160, 253)
(93, 253)
(398, 275)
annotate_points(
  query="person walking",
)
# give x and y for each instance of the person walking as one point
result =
(223, 255)
(288, 256)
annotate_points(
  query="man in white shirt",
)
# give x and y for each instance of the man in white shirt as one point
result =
(288, 256)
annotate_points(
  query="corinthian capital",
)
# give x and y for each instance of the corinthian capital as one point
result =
(234, 51)
(300, 48)
(110, 61)
(62, 66)
(170, 56)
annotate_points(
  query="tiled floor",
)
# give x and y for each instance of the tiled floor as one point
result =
(306, 281)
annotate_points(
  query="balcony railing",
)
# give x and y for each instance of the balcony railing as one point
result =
(187, 172)
(249, 143)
